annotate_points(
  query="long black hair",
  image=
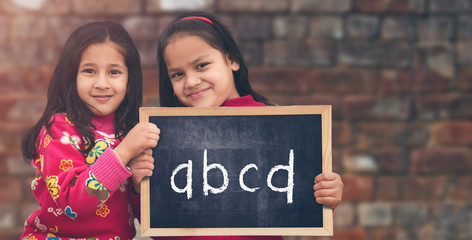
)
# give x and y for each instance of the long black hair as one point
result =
(62, 96)
(217, 36)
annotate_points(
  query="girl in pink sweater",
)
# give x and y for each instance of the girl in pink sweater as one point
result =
(83, 146)
(200, 65)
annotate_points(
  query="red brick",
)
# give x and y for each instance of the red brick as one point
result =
(10, 80)
(342, 133)
(49, 7)
(138, 26)
(272, 6)
(4, 28)
(387, 189)
(320, 99)
(337, 161)
(357, 188)
(37, 80)
(11, 136)
(464, 27)
(444, 106)
(452, 133)
(151, 81)
(14, 234)
(344, 81)
(463, 52)
(384, 234)
(292, 27)
(464, 82)
(151, 100)
(435, 29)
(370, 108)
(326, 27)
(442, 160)
(422, 188)
(449, 6)
(305, 53)
(398, 28)
(382, 160)
(333, 6)
(394, 133)
(350, 234)
(362, 27)
(21, 109)
(279, 80)
(3, 163)
(395, 82)
(461, 189)
(381, 6)
(147, 49)
(106, 6)
(60, 27)
(28, 28)
(10, 189)
(390, 160)
(160, 6)
(376, 54)
(429, 81)
(17, 166)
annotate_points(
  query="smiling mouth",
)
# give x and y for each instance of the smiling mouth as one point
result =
(198, 93)
(102, 98)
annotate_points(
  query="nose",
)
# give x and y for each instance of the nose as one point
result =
(101, 81)
(192, 80)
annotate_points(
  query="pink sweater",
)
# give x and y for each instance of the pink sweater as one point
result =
(80, 196)
(246, 101)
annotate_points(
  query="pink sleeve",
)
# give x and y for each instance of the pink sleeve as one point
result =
(109, 170)
(65, 172)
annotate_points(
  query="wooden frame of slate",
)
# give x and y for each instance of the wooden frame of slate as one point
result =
(237, 171)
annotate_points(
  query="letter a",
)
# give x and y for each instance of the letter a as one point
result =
(187, 188)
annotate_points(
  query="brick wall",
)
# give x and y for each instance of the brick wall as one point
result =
(397, 72)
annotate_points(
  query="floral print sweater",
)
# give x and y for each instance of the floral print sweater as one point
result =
(80, 196)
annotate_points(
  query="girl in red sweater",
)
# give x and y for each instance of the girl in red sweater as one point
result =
(200, 65)
(82, 147)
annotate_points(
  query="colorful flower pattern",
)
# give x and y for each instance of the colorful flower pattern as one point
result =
(47, 140)
(66, 164)
(103, 211)
(98, 149)
(51, 183)
(94, 184)
(72, 140)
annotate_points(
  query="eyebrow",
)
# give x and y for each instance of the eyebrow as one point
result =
(198, 59)
(93, 65)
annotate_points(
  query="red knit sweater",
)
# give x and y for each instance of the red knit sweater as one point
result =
(246, 101)
(80, 196)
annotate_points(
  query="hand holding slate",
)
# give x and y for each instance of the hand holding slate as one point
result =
(141, 166)
(328, 189)
(141, 137)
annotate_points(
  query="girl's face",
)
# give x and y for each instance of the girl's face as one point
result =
(102, 78)
(200, 74)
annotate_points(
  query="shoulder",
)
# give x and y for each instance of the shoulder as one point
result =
(60, 118)
(59, 130)
(59, 123)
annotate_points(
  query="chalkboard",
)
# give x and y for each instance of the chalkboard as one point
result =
(237, 171)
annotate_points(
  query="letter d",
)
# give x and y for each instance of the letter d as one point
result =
(289, 169)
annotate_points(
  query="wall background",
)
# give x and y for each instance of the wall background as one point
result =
(397, 72)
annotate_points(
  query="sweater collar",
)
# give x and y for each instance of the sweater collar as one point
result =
(99, 121)
(247, 100)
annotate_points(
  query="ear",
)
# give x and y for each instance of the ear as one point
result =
(233, 64)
